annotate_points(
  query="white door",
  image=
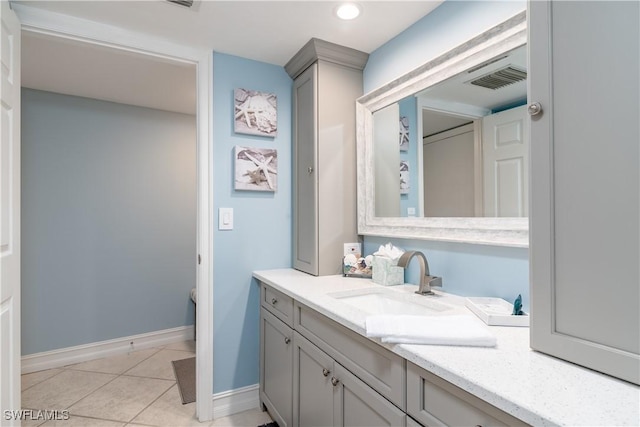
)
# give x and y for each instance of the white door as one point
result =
(505, 148)
(10, 217)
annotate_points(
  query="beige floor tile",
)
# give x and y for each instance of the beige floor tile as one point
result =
(29, 380)
(115, 364)
(31, 423)
(183, 346)
(63, 390)
(168, 410)
(159, 365)
(122, 399)
(76, 421)
(250, 418)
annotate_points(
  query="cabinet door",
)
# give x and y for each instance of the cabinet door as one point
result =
(305, 165)
(276, 368)
(358, 405)
(585, 186)
(377, 366)
(312, 389)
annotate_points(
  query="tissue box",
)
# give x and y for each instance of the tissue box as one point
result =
(386, 272)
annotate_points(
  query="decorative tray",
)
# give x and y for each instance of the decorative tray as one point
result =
(496, 312)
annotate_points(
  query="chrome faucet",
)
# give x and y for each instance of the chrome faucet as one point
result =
(426, 280)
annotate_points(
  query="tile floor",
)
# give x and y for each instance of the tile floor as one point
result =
(134, 389)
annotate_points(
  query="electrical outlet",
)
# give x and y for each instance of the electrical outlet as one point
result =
(352, 248)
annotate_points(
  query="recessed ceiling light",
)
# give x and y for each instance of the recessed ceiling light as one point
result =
(348, 11)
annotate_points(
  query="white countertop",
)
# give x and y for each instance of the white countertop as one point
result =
(538, 389)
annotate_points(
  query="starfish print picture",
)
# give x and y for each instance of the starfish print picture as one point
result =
(404, 133)
(255, 112)
(404, 177)
(256, 169)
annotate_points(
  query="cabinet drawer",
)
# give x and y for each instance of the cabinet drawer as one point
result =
(378, 367)
(436, 402)
(279, 304)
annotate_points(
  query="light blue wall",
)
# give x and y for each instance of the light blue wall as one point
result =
(108, 220)
(466, 269)
(262, 235)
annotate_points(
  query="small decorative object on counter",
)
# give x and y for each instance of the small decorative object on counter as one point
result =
(356, 266)
(385, 266)
(497, 312)
(517, 306)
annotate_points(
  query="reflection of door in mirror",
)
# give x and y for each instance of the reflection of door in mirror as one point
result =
(475, 167)
(505, 154)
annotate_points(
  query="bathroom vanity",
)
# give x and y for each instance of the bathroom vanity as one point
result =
(317, 367)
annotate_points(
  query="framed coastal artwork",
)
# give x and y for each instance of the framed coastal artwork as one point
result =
(404, 177)
(255, 113)
(256, 169)
(404, 133)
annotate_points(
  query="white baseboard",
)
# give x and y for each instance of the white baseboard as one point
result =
(82, 353)
(233, 401)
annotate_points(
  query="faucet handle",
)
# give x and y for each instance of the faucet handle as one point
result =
(434, 281)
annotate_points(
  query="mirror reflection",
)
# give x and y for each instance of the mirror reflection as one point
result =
(458, 148)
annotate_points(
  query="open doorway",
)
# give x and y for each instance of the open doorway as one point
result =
(203, 244)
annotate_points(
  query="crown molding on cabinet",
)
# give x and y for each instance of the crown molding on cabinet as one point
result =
(317, 49)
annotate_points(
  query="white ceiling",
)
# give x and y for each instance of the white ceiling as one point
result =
(268, 31)
(80, 69)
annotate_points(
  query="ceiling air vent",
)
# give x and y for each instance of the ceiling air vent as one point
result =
(500, 78)
(185, 3)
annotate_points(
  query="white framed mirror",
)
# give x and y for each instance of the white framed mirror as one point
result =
(382, 171)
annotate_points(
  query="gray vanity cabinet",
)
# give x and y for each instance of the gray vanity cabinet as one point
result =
(435, 402)
(312, 388)
(357, 404)
(316, 372)
(327, 394)
(276, 355)
(584, 221)
(327, 82)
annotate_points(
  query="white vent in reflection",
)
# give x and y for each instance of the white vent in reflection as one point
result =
(500, 78)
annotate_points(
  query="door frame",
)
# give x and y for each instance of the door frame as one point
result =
(58, 25)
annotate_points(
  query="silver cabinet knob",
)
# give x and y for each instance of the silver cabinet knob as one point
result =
(326, 372)
(273, 300)
(287, 340)
(310, 170)
(534, 108)
(334, 381)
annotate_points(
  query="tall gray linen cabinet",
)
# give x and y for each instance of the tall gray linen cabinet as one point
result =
(327, 82)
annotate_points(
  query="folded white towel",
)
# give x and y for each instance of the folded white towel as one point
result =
(439, 330)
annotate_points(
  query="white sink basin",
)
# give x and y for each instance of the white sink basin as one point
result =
(385, 301)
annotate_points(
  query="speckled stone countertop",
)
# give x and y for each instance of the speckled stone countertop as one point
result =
(538, 389)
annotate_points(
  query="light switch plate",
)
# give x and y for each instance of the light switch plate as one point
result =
(225, 218)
